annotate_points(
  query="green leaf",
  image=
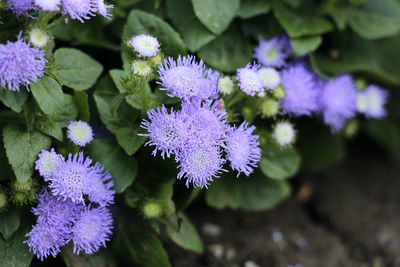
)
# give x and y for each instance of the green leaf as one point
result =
(304, 45)
(50, 128)
(194, 33)
(13, 252)
(298, 24)
(13, 100)
(82, 103)
(22, 148)
(49, 96)
(254, 193)
(9, 223)
(140, 22)
(140, 248)
(185, 235)
(252, 8)
(385, 132)
(76, 69)
(216, 15)
(354, 55)
(122, 167)
(102, 258)
(117, 77)
(227, 55)
(70, 111)
(280, 164)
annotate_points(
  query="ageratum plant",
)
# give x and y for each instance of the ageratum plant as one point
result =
(116, 116)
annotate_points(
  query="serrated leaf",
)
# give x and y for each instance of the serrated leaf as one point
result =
(117, 77)
(13, 100)
(304, 45)
(82, 102)
(51, 128)
(252, 8)
(122, 167)
(9, 223)
(76, 69)
(70, 111)
(22, 148)
(280, 164)
(216, 15)
(13, 252)
(49, 96)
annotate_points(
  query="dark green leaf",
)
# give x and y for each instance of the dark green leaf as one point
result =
(185, 235)
(50, 128)
(102, 258)
(76, 69)
(70, 111)
(122, 167)
(194, 33)
(304, 45)
(227, 55)
(22, 148)
(49, 96)
(9, 223)
(252, 8)
(216, 15)
(254, 193)
(117, 76)
(13, 100)
(82, 103)
(385, 132)
(13, 252)
(280, 163)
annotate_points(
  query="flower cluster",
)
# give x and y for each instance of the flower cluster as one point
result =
(73, 208)
(199, 133)
(76, 9)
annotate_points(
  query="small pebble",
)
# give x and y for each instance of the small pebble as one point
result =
(217, 250)
(211, 229)
(230, 254)
(251, 264)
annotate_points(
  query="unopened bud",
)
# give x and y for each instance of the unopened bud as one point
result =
(152, 209)
(269, 107)
(278, 93)
(38, 38)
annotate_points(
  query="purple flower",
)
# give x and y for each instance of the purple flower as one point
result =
(186, 79)
(102, 8)
(145, 45)
(273, 52)
(301, 90)
(20, 64)
(45, 240)
(249, 80)
(20, 8)
(48, 5)
(200, 161)
(92, 230)
(47, 162)
(204, 121)
(80, 133)
(75, 178)
(338, 101)
(371, 102)
(242, 149)
(79, 9)
(164, 130)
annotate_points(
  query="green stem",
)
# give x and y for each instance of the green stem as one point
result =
(55, 22)
(45, 18)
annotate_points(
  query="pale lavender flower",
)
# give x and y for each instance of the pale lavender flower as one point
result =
(186, 79)
(273, 52)
(375, 100)
(48, 5)
(300, 89)
(200, 161)
(242, 149)
(249, 80)
(102, 8)
(145, 45)
(165, 131)
(338, 101)
(47, 162)
(79, 9)
(101, 190)
(92, 230)
(75, 178)
(20, 65)
(80, 133)
(20, 7)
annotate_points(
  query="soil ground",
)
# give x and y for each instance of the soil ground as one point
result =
(349, 215)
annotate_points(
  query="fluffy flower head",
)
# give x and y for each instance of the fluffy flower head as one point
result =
(284, 133)
(242, 149)
(375, 100)
(20, 7)
(273, 52)
(301, 91)
(270, 77)
(338, 101)
(38, 38)
(20, 65)
(79, 9)
(145, 45)
(226, 85)
(102, 8)
(92, 230)
(80, 133)
(248, 80)
(48, 161)
(48, 5)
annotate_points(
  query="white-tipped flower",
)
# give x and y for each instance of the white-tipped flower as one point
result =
(270, 78)
(226, 85)
(141, 68)
(38, 38)
(48, 5)
(47, 162)
(284, 133)
(80, 133)
(145, 45)
(362, 102)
